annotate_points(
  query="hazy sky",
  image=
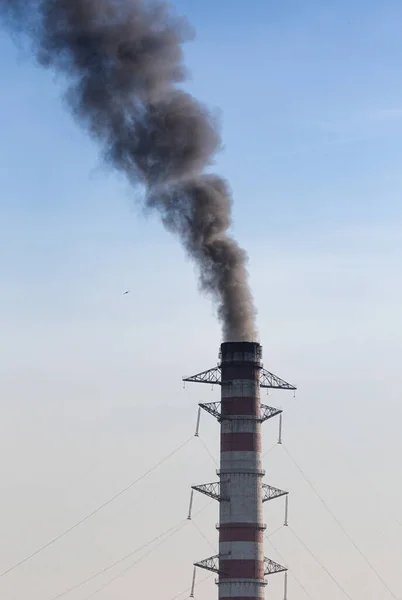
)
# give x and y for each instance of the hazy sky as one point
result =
(310, 98)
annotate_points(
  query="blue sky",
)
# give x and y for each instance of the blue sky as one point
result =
(310, 100)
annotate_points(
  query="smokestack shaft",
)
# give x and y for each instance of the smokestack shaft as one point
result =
(241, 529)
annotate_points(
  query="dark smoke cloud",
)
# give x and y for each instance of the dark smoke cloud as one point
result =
(124, 64)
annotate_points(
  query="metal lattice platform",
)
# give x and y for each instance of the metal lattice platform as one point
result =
(267, 379)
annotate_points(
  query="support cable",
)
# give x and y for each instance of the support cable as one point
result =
(338, 585)
(270, 450)
(136, 562)
(171, 531)
(200, 510)
(204, 536)
(189, 589)
(96, 510)
(207, 450)
(341, 527)
(168, 533)
(290, 571)
(299, 583)
(272, 533)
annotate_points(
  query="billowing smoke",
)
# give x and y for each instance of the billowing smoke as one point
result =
(124, 65)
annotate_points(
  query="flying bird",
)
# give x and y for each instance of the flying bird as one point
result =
(127, 292)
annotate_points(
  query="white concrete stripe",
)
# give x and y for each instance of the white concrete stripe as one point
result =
(238, 589)
(240, 426)
(235, 456)
(238, 462)
(244, 508)
(241, 483)
(240, 514)
(242, 550)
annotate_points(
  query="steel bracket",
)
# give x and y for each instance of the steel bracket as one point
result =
(270, 492)
(214, 409)
(214, 377)
(209, 489)
(271, 567)
(209, 564)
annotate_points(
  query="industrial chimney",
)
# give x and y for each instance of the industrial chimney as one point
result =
(241, 565)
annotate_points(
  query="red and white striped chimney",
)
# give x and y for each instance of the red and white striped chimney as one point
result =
(240, 565)
(241, 528)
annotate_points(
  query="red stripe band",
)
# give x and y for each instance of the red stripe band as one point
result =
(239, 371)
(240, 442)
(241, 569)
(241, 534)
(241, 406)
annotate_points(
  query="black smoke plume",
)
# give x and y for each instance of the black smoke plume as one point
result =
(124, 65)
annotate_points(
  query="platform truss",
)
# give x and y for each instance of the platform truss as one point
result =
(267, 379)
(212, 490)
(209, 489)
(270, 493)
(212, 564)
(209, 564)
(268, 412)
(271, 567)
(214, 409)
